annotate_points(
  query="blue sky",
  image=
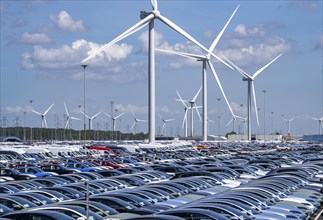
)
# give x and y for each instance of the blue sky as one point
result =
(44, 42)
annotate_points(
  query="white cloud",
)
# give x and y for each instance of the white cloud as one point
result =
(65, 22)
(256, 54)
(14, 109)
(64, 61)
(34, 38)
(255, 30)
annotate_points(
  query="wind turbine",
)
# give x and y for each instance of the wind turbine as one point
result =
(164, 124)
(192, 102)
(114, 124)
(251, 87)
(149, 17)
(206, 60)
(233, 121)
(69, 118)
(136, 120)
(43, 122)
(90, 119)
(320, 120)
(288, 124)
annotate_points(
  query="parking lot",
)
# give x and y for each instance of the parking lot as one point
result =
(165, 181)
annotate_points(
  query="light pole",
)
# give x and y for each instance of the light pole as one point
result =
(84, 126)
(25, 125)
(31, 126)
(283, 124)
(219, 118)
(264, 91)
(81, 124)
(272, 125)
(111, 103)
(241, 123)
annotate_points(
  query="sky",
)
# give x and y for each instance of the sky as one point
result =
(44, 42)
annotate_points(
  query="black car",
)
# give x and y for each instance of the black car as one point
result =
(15, 174)
(57, 168)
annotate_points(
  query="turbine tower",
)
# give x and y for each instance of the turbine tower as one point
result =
(69, 118)
(90, 119)
(43, 122)
(251, 91)
(184, 126)
(164, 131)
(114, 124)
(206, 60)
(320, 120)
(149, 17)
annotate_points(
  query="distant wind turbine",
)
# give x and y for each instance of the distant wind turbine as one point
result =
(288, 124)
(69, 118)
(192, 102)
(233, 121)
(320, 120)
(149, 17)
(251, 90)
(136, 120)
(90, 119)
(43, 122)
(114, 122)
(164, 124)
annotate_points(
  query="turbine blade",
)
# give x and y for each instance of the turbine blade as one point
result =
(154, 4)
(187, 55)
(220, 86)
(255, 102)
(66, 110)
(85, 115)
(262, 69)
(38, 113)
(48, 109)
(164, 124)
(197, 111)
(172, 119)
(107, 115)
(222, 31)
(95, 115)
(181, 31)
(66, 124)
(119, 115)
(180, 98)
(243, 73)
(229, 122)
(74, 118)
(133, 125)
(125, 34)
(198, 92)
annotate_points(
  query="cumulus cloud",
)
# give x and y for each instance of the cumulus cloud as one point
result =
(305, 5)
(256, 54)
(34, 38)
(131, 108)
(14, 109)
(64, 62)
(65, 22)
(254, 30)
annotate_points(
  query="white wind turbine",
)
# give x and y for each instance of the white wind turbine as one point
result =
(90, 119)
(114, 122)
(43, 122)
(184, 126)
(320, 120)
(136, 120)
(69, 118)
(233, 121)
(192, 102)
(149, 18)
(206, 60)
(288, 124)
(164, 131)
(251, 91)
